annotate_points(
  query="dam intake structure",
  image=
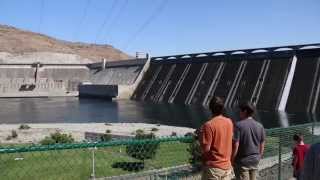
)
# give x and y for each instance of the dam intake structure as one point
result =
(278, 78)
(41, 80)
(50, 80)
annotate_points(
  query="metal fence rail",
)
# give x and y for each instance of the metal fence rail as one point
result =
(161, 158)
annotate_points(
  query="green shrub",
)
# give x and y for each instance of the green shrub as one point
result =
(8, 137)
(143, 151)
(195, 151)
(154, 129)
(108, 131)
(14, 134)
(106, 137)
(139, 131)
(173, 134)
(141, 136)
(24, 126)
(189, 134)
(62, 138)
(47, 141)
(57, 138)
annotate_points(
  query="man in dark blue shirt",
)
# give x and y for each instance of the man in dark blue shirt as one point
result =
(311, 169)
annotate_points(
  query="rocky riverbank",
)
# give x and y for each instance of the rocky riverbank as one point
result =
(38, 131)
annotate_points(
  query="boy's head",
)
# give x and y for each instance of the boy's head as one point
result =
(246, 110)
(298, 138)
(216, 106)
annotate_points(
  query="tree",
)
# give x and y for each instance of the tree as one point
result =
(141, 150)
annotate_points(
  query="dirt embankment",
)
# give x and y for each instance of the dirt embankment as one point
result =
(16, 42)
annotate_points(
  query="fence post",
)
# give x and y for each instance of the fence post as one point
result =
(279, 163)
(312, 132)
(93, 174)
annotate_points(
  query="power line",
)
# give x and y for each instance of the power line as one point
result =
(84, 16)
(116, 17)
(155, 13)
(41, 15)
(106, 19)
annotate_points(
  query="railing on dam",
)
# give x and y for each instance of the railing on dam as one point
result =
(146, 156)
(277, 78)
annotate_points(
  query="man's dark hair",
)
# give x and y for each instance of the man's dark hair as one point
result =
(297, 137)
(247, 107)
(216, 105)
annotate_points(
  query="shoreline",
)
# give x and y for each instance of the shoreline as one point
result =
(37, 132)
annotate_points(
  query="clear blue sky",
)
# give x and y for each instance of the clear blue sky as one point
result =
(178, 26)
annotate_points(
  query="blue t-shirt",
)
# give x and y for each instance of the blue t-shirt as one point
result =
(311, 170)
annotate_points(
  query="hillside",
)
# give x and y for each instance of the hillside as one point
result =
(15, 43)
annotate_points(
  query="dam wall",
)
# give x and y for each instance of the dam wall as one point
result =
(125, 74)
(41, 80)
(271, 78)
(117, 72)
(116, 75)
(304, 93)
(44, 80)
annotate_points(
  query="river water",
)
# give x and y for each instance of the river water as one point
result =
(74, 110)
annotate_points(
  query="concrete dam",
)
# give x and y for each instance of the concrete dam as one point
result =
(41, 80)
(278, 78)
(45, 80)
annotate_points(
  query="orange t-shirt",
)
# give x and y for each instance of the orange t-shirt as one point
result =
(217, 133)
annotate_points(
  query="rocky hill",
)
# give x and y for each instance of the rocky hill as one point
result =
(17, 44)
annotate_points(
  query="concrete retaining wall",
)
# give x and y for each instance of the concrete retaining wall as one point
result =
(33, 81)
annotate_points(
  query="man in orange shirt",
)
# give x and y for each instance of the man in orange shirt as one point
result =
(216, 143)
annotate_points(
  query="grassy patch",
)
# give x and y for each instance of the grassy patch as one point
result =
(77, 164)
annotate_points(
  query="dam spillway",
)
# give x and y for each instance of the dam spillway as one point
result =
(271, 78)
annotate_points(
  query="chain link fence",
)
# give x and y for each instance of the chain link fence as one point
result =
(278, 151)
(140, 158)
(94, 160)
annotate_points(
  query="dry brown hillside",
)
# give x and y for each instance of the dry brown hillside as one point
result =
(16, 41)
